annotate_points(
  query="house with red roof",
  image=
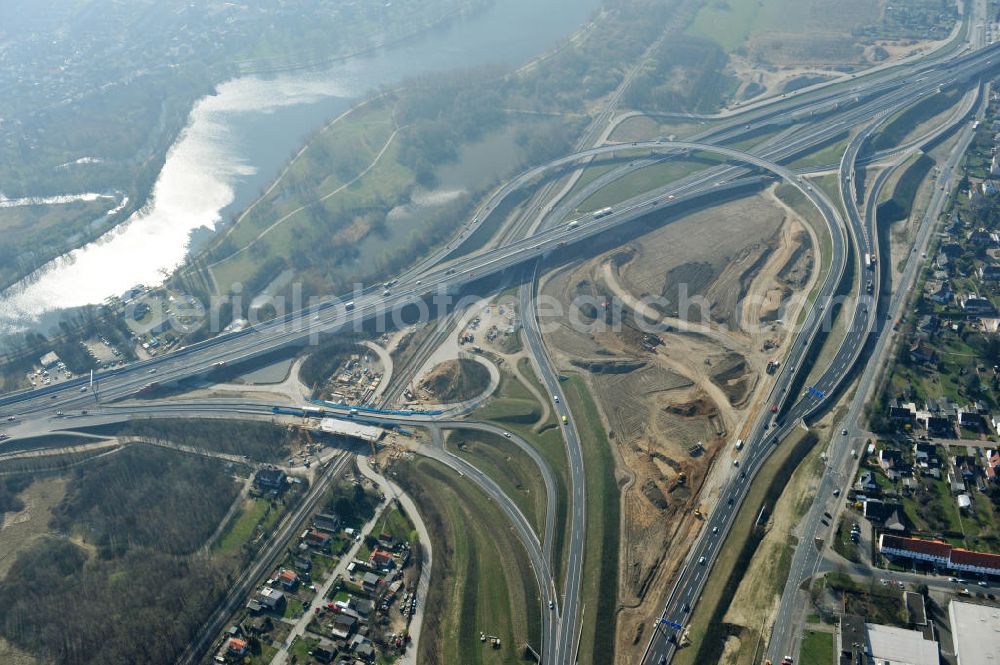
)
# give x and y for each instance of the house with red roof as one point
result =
(982, 563)
(934, 552)
(289, 579)
(237, 647)
(940, 554)
(381, 560)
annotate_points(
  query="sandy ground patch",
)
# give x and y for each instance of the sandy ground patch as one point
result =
(675, 395)
(755, 604)
(21, 529)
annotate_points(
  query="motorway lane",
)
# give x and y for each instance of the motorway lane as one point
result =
(842, 465)
(123, 382)
(566, 640)
(520, 525)
(235, 347)
(689, 584)
(543, 469)
(328, 316)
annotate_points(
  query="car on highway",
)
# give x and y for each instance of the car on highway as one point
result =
(552, 605)
(10, 418)
(844, 432)
(715, 529)
(555, 398)
(701, 561)
(774, 408)
(564, 420)
(507, 434)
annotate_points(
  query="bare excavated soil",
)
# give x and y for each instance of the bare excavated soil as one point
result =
(674, 394)
(455, 381)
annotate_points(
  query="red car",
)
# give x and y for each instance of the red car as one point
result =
(774, 408)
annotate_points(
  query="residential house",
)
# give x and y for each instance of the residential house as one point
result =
(902, 413)
(964, 502)
(318, 539)
(237, 647)
(991, 464)
(343, 625)
(271, 599)
(980, 563)
(884, 514)
(980, 237)
(303, 565)
(990, 325)
(971, 420)
(923, 452)
(866, 482)
(988, 188)
(260, 625)
(289, 580)
(952, 250)
(893, 464)
(934, 552)
(362, 606)
(323, 654)
(929, 324)
(974, 305)
(965, 466)
(954, 225)
(381, 560)
(270, 480)
(922, 354)
(940, 426)
(989, 272)
(327, 522)
(370, 582)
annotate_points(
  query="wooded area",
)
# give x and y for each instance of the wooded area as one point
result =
(261, 441)
(70, 610)
(146, 497)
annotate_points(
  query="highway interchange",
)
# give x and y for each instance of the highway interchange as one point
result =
(802, 123)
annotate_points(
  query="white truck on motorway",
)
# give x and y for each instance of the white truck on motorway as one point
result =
(603, 212)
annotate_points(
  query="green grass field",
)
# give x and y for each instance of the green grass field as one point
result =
(516, 409)
(483, 582)
(643, 180)
(242, 529)
(510, 467)
(817, 648)
(397, 525)
(825, 155)
(730, 23)
(600, 560)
